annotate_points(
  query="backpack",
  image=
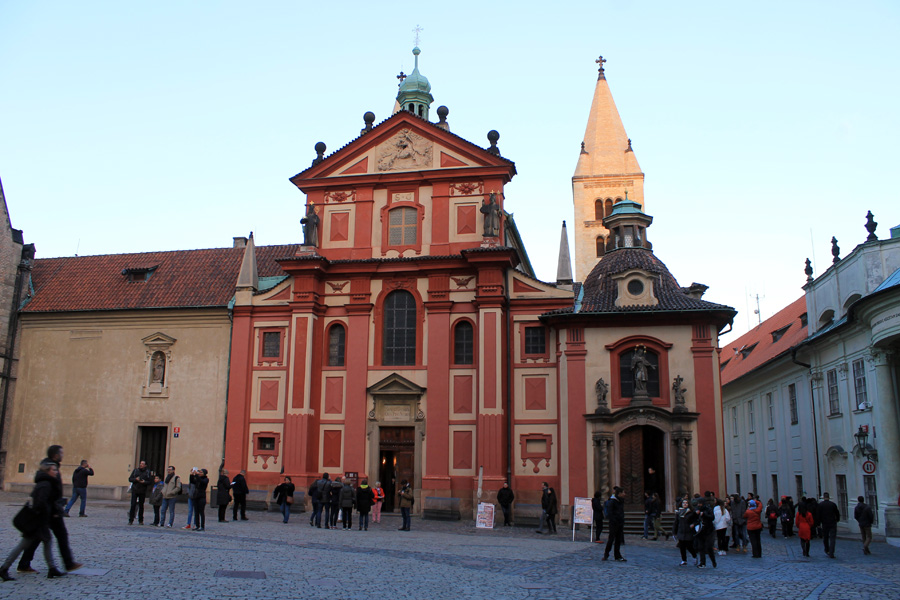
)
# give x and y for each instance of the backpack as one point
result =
(606, 509)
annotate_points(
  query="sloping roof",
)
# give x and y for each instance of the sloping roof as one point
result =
(759, 346)
(601, 291)
(180, 279)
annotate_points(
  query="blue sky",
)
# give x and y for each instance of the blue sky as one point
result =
(763, 128)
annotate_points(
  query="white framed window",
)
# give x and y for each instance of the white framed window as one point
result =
(750, 427)
(871, 495)
(843, 501)
(792, 402)
(770, 409)
(859, 384)
(734, 427)
(834, 398)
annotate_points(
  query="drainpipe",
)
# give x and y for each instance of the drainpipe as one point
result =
(230, 309)
(812, 399)
(509, 363)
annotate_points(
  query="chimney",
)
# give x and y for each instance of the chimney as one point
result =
(240, 242)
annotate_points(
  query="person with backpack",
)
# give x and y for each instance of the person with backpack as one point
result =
(348, 501)
(321, 502)
(864, 517)
(379, 502)
(786, 516)
(170, 493)
(334, 502)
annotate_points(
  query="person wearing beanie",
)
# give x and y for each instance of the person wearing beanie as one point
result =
(754, 526)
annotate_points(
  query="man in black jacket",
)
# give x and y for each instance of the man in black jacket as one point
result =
(57, 525)
(505, 498)
(615, 515)
(829, 515)
(140, 479)
(79, 487)
(240, 490)
(865, 517)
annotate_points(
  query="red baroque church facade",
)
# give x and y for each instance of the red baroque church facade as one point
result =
(408, 338)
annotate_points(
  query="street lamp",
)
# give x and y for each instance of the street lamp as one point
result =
(862, 439)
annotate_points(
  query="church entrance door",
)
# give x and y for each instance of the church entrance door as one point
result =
(397, 452)
(641, 465)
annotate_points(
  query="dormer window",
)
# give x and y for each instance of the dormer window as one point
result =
(138, 274)
(778, 333)
(745, 351)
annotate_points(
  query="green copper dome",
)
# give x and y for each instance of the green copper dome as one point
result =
(416, 82)
(415, 91)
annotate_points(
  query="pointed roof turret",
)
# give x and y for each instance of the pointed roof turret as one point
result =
(564, 264)
(607, 148)
(607, 170)
(415, 91)
(248, 277)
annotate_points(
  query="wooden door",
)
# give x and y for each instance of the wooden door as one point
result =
(631, 467)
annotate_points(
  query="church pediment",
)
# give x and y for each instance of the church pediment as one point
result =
(158, 339)
(403, 142)
(395, 384)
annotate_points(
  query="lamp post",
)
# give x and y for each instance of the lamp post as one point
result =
(862, 440)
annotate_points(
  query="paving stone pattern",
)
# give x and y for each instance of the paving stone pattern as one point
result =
(266, 559)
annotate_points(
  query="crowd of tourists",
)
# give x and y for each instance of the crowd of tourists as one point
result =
(706, 527)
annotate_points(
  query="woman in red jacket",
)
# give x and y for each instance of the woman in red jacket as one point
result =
(805, 523)
(754, 526)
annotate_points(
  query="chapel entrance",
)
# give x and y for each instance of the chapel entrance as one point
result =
(642, 469)
(397, 453)
(152, 448)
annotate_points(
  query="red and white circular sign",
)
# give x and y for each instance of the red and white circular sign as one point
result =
(868, 467)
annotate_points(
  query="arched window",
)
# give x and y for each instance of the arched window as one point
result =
(399, 341)
(609, 207)
(463, 343)
(402, 226)
(598, 209)
(337, 336)
(601, 246)
(646, 363)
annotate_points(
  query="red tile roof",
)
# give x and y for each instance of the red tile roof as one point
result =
(181, 279)
(758, 344)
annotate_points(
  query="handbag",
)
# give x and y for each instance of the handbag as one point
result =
(27, 520)
(288, 499)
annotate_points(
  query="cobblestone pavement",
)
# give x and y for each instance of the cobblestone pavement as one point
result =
(434, 560)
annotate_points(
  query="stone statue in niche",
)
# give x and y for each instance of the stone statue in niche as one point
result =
(310, 226)
(640, 368)
(406, 150)
(158, 368)
(491, 211)
(678, 394)
(602, 389)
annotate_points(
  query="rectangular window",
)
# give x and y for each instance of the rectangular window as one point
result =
(737, 483)
(266, 443)
(535, 340)
(734, 427)
(402, 226)
(792, 400)
(754, 482)
(842, 500)
(834, 399)
(751, 427)
(798, 482)
(871, 495)
(770, 408)
(775, 488)
(859, 384)
(271, 344)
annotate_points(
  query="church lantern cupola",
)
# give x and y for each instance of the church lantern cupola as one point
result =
(415, 91)
(627, 225)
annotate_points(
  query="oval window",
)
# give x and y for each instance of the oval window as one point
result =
(635, 287)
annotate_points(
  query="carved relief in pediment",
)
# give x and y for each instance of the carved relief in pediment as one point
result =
(406, 150)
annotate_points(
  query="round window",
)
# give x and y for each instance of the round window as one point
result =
(635, 287)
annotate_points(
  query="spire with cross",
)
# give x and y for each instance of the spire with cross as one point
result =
(401, 77)
(601, 74)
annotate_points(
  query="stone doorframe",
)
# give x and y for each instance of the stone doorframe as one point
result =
(396, 402)
(677, 429)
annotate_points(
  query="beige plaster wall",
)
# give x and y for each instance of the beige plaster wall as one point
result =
(81, 386)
